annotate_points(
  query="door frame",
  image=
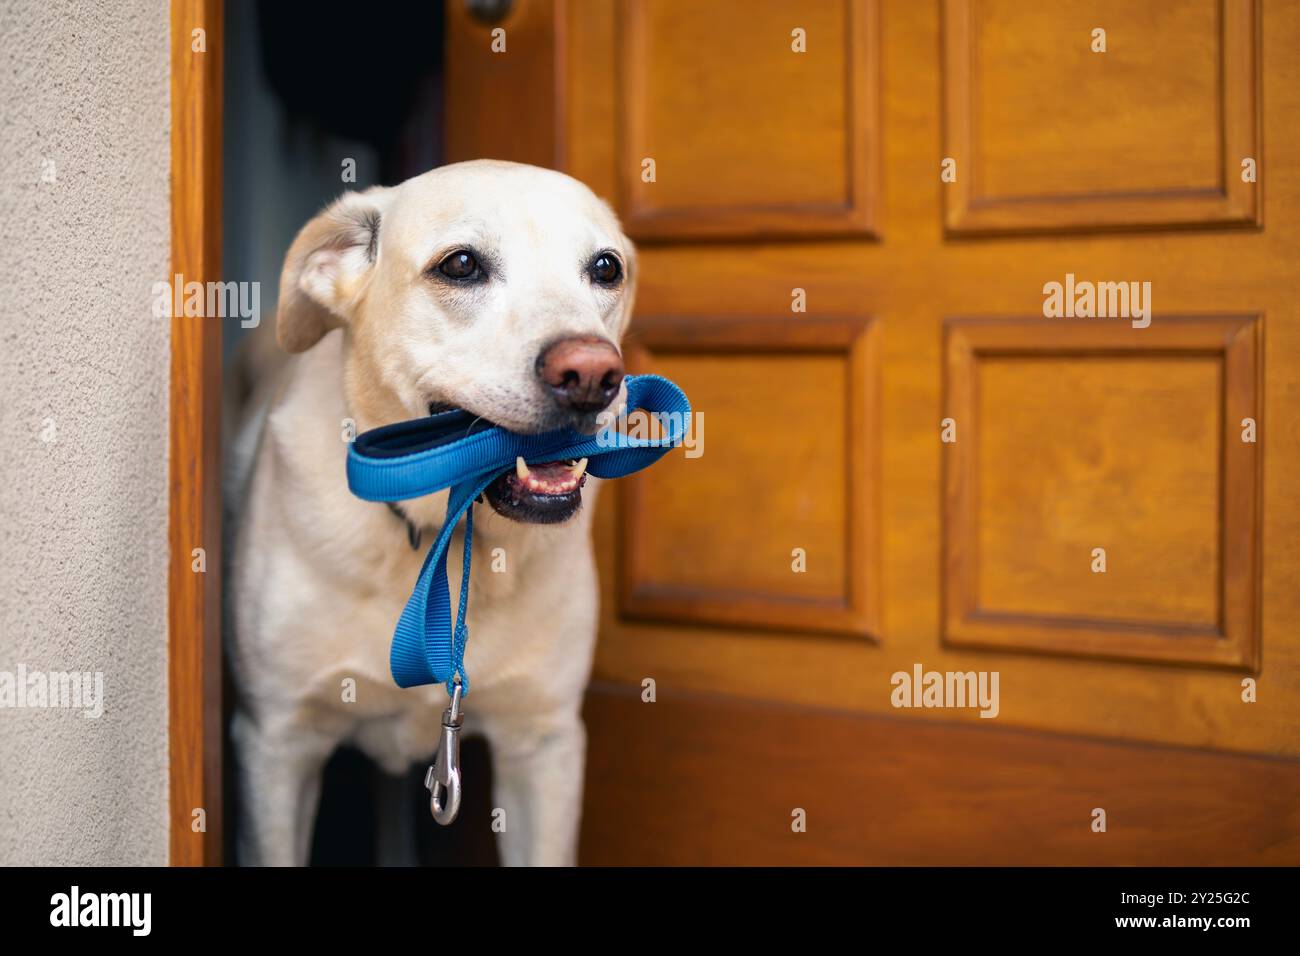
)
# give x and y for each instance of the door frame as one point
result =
(194, 487)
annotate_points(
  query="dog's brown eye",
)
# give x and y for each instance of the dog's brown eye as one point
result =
(605, 269)
(459, 265)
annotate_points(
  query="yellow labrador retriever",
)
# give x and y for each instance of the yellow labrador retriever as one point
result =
(495, 287)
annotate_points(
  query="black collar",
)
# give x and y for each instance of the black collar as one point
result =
(413, 533)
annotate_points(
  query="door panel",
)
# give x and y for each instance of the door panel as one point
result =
(1136, 469)
(746, 551)
(1050, 133)
(689, 553)
(784, 177)
(1126, 447)
(794, 163)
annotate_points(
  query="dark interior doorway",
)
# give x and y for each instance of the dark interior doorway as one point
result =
(318, 102)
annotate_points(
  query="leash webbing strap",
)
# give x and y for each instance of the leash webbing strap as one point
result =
(455, 450)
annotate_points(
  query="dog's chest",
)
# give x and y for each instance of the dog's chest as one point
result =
(531, 612)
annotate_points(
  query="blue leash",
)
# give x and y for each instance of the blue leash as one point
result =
(456, 450)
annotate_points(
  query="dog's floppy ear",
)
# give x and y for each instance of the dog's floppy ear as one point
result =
(327, 268)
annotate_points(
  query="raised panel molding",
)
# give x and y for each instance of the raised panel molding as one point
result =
(763, 214)
(854, 607)
(1223, 199)
(1230, 638)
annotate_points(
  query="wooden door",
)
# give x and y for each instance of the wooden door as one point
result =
(921, 468)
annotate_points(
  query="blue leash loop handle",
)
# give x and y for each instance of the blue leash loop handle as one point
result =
(458, 451)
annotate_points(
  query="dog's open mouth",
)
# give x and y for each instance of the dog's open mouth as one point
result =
(542, 493)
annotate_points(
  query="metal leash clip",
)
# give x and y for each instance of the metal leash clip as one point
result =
(443, 777)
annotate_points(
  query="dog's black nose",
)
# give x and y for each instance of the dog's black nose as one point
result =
(583, 374)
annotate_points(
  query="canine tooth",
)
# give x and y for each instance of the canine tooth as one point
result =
(579, 468)
(521, 468)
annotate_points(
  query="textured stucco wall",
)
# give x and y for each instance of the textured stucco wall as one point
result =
(83, 518)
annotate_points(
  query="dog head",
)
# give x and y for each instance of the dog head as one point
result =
(495, 287)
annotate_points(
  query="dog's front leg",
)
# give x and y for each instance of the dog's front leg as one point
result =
(280, 780)
(538, 783)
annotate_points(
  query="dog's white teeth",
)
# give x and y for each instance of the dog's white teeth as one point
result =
(521, 468)
(579, 468)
